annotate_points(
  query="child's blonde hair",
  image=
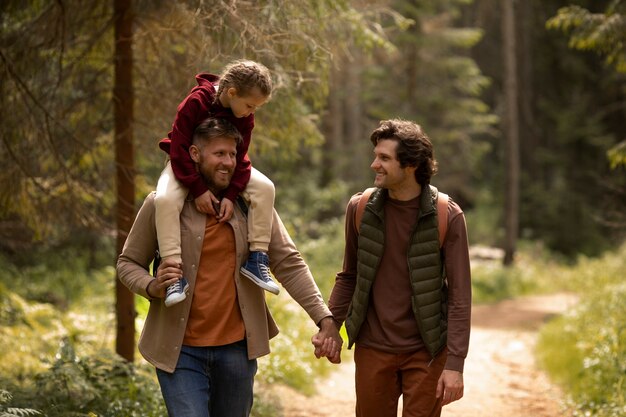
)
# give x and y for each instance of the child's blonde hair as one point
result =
(244, 75)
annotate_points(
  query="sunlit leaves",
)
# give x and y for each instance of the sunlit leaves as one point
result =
(601, 32)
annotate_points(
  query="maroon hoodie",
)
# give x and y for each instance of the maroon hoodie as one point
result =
(197, 106)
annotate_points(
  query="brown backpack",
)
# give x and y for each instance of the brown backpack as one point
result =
(442, 211)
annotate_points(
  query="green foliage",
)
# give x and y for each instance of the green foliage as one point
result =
(601, 32)
(59, 276)
(102, 384)
(56, 298)
(306, 208)
(57, 119)
(484, 225)
(56, 136)
(28, 331)
(11, 310)
(292, 361)
(296, 41)
(57, 362)
(6, 411)
(492, 282)
(617, 155)
(57, 130)
(270, 144)
(571, 115)
(324, 255)
(266, 404)
(585, 350)
(434, 81)
(31, 331)
(597, 129)
(53, 63)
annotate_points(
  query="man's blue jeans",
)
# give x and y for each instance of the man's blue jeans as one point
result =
(210, 382)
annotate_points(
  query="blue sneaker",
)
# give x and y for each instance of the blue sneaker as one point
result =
(176, 292)
(257, 270)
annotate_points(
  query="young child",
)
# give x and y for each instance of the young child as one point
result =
(235, 95)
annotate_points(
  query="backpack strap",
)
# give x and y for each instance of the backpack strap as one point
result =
(442, 216)
(242, 205)
(360, 208)
(442, 212)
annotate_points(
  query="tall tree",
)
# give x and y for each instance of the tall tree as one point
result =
(604, 33)
(431, 79)
(511, 129)
(68, 149)
(55, 112)
(569, 120)
(123, 101)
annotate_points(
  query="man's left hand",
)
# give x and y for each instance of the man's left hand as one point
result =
(450, 385)
(327, 341)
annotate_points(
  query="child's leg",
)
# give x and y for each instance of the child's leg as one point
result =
(260, 194)
(168, 203)
(169, 200)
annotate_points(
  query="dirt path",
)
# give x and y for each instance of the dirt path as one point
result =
(501, 378)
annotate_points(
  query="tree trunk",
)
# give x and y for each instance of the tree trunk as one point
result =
(511, 129)
(529, 134)
(353, 116)
(125, 167)
(333, 125)
(411, 56)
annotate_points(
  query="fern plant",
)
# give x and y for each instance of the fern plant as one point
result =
(6, 411)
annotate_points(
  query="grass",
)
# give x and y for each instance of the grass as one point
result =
(534, 272)
(72, 307)
(585, 350)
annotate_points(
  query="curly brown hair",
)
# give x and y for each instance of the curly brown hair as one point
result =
(414, 148)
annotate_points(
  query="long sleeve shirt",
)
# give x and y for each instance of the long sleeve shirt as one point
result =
(165, 327)
(390, 324)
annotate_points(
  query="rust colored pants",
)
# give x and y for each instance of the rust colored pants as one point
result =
(382, 377)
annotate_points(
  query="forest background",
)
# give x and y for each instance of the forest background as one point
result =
(525, 103)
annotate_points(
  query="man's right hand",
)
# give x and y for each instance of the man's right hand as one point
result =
(168, 272)
(207, 203)
(327, 342)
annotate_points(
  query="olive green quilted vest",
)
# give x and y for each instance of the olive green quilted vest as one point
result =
(429, 298)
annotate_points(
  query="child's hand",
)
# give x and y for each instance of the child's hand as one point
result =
(206, 203)
(226, 210)
(168, 273)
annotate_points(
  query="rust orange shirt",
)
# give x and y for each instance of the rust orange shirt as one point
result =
(215, 318)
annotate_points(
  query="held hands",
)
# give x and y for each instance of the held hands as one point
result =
(450, 385)
(327, 341)
(209, 204)
(168, 273)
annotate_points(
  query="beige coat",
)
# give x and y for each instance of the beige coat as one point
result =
(164, 329)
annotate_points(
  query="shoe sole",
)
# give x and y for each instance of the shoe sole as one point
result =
(267, 287)
(177, 298)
